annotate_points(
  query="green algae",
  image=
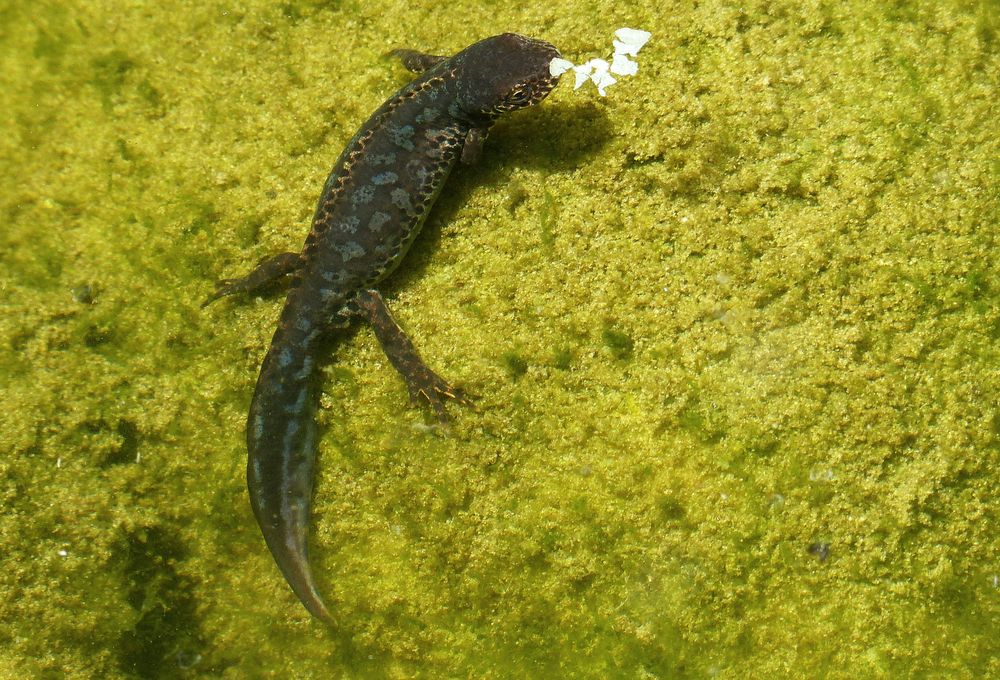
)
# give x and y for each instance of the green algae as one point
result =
(743, 308)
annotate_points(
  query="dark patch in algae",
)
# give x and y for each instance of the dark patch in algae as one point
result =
(516, 365)
(167, 632)
(620, 344)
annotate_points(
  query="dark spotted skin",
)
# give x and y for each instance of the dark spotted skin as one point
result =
(371, 208)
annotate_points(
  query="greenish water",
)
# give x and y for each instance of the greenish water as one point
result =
(734, 329)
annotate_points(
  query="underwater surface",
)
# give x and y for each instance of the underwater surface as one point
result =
(734, 328)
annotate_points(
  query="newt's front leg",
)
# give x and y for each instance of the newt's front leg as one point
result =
(474, 142)
(422, 383)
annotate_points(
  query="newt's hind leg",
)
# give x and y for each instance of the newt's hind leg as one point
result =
(418, 62)
(267, 271)
(423, 383)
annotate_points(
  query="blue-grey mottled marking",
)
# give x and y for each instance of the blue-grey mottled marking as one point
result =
(402, 136)
(362, 196)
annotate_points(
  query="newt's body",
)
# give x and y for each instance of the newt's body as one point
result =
(372, 206)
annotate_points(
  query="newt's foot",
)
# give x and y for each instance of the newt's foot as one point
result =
(415, 61)
(268, 270)
(225, 287)
(425, 385)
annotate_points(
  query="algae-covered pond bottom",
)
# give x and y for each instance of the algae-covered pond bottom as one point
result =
(734, 331)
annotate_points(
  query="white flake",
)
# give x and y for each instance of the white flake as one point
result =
(623, 66)
(559, 66)
(630, 40)
(600, 76)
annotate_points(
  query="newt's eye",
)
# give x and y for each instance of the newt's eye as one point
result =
(519, 96)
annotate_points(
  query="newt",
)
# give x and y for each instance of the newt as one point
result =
(372, 206)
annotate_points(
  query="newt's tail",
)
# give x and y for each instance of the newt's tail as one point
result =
(281, 442)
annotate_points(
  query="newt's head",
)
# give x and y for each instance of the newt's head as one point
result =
(504, 73)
